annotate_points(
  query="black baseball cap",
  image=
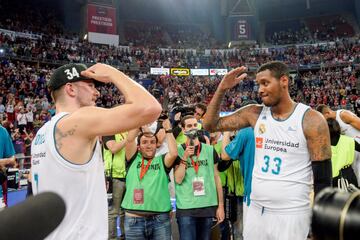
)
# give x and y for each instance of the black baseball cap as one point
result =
(65, 74)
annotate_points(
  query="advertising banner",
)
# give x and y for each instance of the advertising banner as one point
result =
(101, 19)
(159, 71)
(180, 71)
(218, 71)
(199, 72)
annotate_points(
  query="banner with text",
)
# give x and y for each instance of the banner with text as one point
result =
(101, 19)
(160, 71)
(218, 71)
(199, 72)
(180, 71)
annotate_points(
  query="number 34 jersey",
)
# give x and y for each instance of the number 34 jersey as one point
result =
(282, 175)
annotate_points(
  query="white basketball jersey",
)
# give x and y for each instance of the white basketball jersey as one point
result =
(282, 175)
(81, 186)
(347, 129)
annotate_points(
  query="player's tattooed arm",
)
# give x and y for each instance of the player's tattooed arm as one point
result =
(317, 135)
(212, 122)
(243, 117)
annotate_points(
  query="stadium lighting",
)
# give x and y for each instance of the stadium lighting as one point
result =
(85, 36)
(229, 45)
(1, 50)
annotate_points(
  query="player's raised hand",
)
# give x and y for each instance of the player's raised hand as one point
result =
(233, 77)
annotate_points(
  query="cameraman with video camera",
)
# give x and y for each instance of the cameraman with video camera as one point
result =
(185, 110)
(198, 188)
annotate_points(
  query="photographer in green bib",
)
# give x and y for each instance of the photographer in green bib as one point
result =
(198, 189)
(198, 111)
(115, 172)
(147, 199)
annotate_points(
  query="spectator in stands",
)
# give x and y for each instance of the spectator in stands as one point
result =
(21, 120)
(29, 137)
(29, 118)
(19, 146)
(38, 122)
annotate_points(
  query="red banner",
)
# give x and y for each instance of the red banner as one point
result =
(101, 19)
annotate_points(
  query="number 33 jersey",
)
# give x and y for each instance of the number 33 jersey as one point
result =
(282, 175)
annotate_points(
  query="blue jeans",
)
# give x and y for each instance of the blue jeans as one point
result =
(152, 227)
(194, 228)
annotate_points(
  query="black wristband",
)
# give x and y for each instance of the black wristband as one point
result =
(169, 131)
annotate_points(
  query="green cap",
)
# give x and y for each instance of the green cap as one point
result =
(65, 74)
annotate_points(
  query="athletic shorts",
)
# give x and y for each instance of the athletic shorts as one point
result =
(261, 224)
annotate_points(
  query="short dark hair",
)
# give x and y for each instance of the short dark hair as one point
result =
(146, 134)
(186, 118)
(277, 69)
(334, 127)
(321, 108)
(202, 107)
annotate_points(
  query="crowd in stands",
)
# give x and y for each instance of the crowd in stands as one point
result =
(23, 92)
(315, 29)
(25, 68)
(41, 19)
(145, 34)
(287, 32)
(330, 27)
(62, 51)
(23, 87)
(289, 37)
(190, 36)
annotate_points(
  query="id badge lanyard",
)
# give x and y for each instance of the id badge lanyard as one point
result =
(143, 168)
(138, 196)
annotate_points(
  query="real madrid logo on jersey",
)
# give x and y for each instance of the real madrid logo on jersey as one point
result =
(262, 128)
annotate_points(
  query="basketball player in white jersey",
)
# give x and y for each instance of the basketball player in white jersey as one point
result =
(66, 154)
(291, 140)
(348, 121)
(349, 126)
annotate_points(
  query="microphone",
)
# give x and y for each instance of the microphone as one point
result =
(33, 219)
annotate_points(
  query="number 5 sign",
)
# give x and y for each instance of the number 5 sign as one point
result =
(242, 29)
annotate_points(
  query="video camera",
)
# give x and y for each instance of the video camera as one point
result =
(183, 109)
(178, 106)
